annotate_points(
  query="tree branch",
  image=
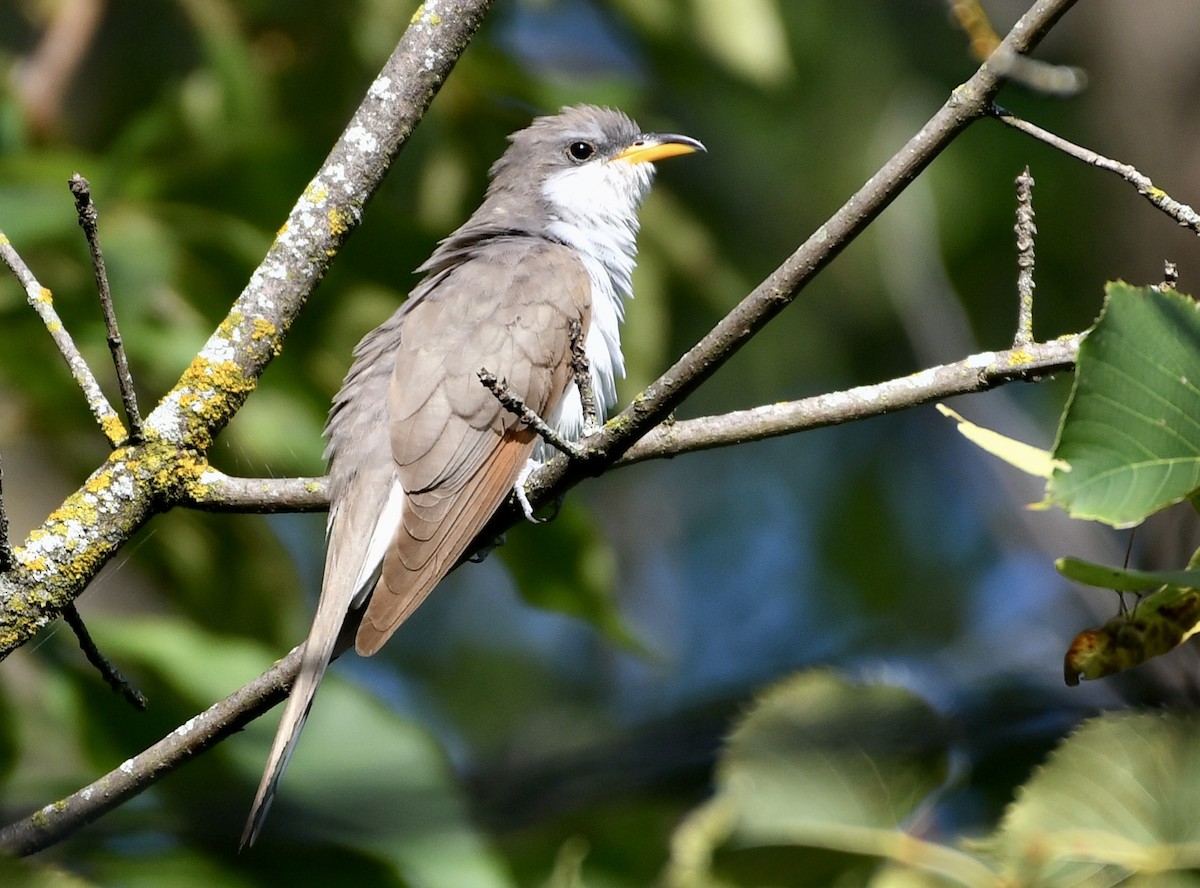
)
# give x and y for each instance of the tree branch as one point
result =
(976, 373)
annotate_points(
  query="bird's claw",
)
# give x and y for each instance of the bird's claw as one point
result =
(522, 494)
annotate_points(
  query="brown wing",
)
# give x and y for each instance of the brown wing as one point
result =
(457, 451)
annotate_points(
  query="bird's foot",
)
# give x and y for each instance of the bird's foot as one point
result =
(522, 494)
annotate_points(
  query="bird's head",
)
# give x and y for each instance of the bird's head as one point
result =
(586, 165)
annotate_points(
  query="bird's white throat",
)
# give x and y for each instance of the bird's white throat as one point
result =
(594, 210)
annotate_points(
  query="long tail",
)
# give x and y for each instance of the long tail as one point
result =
(318, 650)
(372, 514)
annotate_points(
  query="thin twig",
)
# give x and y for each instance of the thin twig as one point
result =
(110, 673)
(1026, 230)
(513, 404)
(88, 221)
(41, 79)
(1170, 275)
(43, 303)
(1180, 212)
(217, 492)
(581, 368)
(6, 553)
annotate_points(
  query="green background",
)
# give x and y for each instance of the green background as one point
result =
(494, 742)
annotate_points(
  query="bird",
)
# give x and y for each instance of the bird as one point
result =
(421, 454)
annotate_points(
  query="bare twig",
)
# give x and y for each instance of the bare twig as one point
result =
(513, 403)
(43, 303)
(1025, 230)
(88, 221)
(110, 673)
(215, 491)
(1180, 212)
(581, 369)
(6, 554)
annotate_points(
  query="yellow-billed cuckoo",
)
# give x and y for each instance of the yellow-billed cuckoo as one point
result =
(421, 454)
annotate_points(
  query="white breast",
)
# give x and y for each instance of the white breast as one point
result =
(595, 212)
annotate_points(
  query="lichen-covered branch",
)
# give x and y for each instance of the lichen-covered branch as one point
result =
(331, 206)
(61, 557)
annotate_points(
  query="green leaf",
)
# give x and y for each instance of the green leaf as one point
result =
(820, 774)
(1123, 579)
(1131, 430)
(1121, 795)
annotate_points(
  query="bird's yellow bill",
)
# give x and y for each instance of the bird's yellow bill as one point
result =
(650, 149)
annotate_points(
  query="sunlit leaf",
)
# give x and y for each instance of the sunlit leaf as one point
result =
(1131, 431)
(1029, 459)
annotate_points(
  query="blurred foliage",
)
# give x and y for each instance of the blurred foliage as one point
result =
(495, 743)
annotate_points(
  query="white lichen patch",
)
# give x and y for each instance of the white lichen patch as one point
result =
(186, 728)
(979, 361)
(126, 767)
(220, 348)
(381, 89)
(362, 139)
(336, 173)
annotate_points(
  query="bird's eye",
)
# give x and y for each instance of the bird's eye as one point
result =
(580, 151)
